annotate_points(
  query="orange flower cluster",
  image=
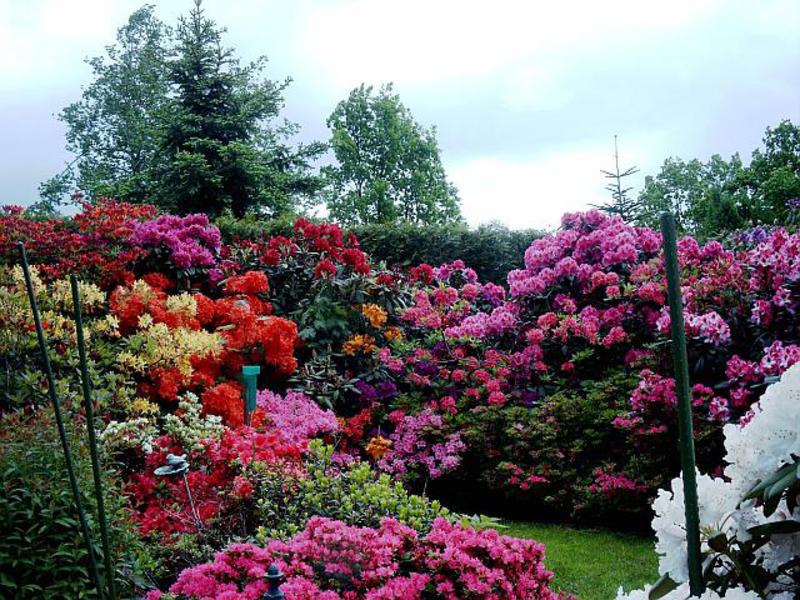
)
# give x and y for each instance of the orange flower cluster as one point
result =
(359, 343)
(241, 318)
(378, 446)
(375, 315)
(394, 333)
(226, 401)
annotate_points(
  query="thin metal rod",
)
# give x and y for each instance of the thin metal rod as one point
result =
(51, 385)
(89, 407)
(685, 428)
(191, 502)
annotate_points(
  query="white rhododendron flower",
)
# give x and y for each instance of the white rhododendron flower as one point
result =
(717, 503)
(758, 449)
(754, 452)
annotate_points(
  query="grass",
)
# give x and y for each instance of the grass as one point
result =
(591, 563)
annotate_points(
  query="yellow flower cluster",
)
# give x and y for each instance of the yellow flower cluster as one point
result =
(375, 315)
(55, 305)
(157, 346)
(183, 304)
(359, 343)
(93, 300)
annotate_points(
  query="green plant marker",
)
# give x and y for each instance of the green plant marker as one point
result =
(250, 376)
(89, 407)
(51, 387)
(681, 363)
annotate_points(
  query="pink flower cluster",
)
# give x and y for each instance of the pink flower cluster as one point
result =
(190, 241)
(420, 443)
(481, 325)
(333, 561)
(609, 483)
(709, 327)
(296, 416)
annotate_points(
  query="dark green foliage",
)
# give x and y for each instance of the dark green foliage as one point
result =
(492, 250)
(567, 439)
(42, 554)
(389, 168)
(220, 153)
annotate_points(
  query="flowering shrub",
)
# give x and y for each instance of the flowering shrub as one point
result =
(297, 417)
(95, 245)
(592, 297)
(332, 560)
(750, 522)
(420, 446)
(187, 243)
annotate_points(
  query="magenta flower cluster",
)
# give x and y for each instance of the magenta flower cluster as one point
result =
(330, 560)
(420, 443)
(296, 416)
(190, 241)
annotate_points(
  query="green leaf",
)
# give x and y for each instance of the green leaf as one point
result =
(775, 528)
(662, 587)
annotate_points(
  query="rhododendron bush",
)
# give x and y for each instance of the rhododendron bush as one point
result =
(377, 382)
(591, 299)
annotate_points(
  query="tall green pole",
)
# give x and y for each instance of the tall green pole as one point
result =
(250, 376)
(51, 386)
(681, 363)
(89, 406)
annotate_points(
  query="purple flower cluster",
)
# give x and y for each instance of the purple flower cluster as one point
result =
(191, 241)
(420, 443)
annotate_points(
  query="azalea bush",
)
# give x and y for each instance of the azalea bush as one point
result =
(332, 560)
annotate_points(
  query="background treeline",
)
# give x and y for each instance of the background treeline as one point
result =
(174, 118)
(492, 250)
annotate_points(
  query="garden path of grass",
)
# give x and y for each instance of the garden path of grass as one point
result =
(591, 563)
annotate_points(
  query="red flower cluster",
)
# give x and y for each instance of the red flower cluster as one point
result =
(226, 401)
(97, 247)
(218, 479)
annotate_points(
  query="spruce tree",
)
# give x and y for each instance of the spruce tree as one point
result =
(223, 154)
(620, 204)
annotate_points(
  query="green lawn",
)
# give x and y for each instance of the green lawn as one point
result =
(591, 563)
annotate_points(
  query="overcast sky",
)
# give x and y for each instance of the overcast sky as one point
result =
(526, 95)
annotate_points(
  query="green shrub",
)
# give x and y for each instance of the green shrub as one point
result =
(549, 458)
(42, 553)
(492, 250)
(355, 494)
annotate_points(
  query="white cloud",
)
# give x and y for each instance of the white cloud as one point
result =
(418, 42)
(536, 191)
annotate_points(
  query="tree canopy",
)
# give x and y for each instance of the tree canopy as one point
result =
(714, 197)
(389, 167)
(172, 118)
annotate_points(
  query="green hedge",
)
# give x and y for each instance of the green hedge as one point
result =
(491, 250)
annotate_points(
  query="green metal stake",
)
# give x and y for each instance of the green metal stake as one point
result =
(250, 375)
(89, 406)
(685, 427)
(51, 385)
